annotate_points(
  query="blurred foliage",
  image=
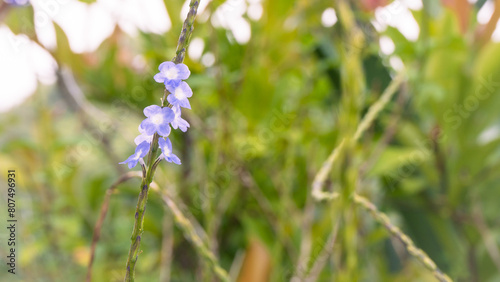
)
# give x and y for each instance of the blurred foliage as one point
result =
(265, 116)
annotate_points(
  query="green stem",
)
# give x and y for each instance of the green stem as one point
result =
(133, 253)
(417, 253)
(365, 123)
(187, 30)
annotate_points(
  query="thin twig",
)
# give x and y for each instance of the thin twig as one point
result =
(102, 216)
(412, 249)
(377, 107)
(388, 133)
(365, 123)
(191, 234)
(322, 174)
(488, 238)
(306, 238)
(322, 258)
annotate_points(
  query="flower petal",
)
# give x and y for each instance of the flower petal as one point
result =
(148, 126)
(168, 115)
(141, 130)
(186, 89)
(168, 144)
(184, 103)
(161, 143)
(165, 66)
(172, 84)
(143, 137)
(183, 71)
(172, 100)
(163, 129)
(173, 159)
(151, 110)
(159, 77)
(183, 124)
(142, 149)
(131, 161)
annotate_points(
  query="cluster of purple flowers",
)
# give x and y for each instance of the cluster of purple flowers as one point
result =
(159, 119)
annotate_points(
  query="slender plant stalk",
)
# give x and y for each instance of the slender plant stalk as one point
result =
(186, 32)
(190, 232)
(420, 255)
(323, 256)
(365, 123)
(321, 176)
(147, 178)
(133, 254)
(378, 106)
(346, 146)
(352, 85)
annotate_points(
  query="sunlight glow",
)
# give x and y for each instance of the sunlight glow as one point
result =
(397, 15)
(329, 17)
(23, 63)
(195, 49)
(485, 13)
(386, 45)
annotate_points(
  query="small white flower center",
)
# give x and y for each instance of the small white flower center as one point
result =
(179, 93)
(157, 119)
(172, 73)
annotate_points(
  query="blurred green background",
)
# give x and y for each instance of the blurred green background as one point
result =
(277, 84)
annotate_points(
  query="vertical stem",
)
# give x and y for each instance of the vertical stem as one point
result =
(352, 83)
(133, 253)
(187, 30)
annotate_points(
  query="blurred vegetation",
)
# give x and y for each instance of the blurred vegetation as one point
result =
(264, 118)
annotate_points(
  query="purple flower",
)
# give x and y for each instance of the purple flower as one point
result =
(166, 149)
(158, 120)
(140, 152)
(180, 92)
(178, 121)
(171, 73)
(143, 137)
